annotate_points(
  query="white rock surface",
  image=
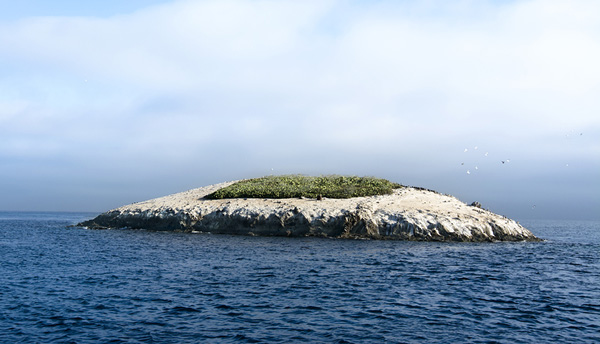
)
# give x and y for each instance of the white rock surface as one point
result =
(407, 214)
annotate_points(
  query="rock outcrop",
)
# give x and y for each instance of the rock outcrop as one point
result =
(407, 214)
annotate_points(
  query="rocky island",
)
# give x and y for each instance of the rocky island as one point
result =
(296, 206)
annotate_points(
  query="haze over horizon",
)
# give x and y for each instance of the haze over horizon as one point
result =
(105, 104)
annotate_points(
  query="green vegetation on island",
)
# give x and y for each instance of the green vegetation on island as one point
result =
(295, 186)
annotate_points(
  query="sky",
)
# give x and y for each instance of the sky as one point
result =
(107, 103)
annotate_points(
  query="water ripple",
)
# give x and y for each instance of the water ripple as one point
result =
(83, 286)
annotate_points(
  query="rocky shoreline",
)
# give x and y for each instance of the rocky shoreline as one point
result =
(407, 214)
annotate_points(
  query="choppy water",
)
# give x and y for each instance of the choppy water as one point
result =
(84, 286)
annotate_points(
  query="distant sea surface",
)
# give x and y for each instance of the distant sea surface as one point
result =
(74, 285)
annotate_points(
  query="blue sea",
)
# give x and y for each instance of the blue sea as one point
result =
(74, 285)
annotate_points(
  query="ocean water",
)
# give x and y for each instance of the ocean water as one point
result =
(73, 285)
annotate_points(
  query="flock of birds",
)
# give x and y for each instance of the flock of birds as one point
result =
(485, 155)
(506, 161)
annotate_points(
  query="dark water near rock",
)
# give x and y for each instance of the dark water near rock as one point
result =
(85, 286)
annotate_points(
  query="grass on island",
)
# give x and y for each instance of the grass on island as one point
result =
(295, 186)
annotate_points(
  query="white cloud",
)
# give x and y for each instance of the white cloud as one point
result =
(234, 79)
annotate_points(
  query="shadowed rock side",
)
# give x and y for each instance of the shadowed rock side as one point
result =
(407, 214)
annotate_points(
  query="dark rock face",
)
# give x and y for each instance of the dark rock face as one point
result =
(476, 205)
(220, 222)
(360, 223)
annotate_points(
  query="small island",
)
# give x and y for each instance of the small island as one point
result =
(325, 206)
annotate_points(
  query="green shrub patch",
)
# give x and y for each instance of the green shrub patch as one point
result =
(295, 186)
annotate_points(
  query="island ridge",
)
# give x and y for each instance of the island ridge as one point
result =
(400, 213)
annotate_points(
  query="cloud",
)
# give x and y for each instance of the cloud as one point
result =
(367, 88)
